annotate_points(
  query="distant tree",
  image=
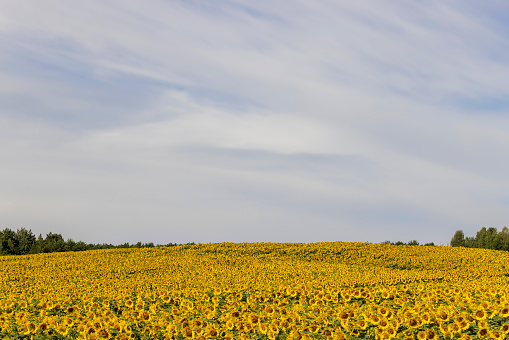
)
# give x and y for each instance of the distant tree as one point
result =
(470, 242)
(485, 238)
(26, 240)
(491, 238)
(458, 240)
(8, 242)
(413, 243)
(69, 245)
(430, 244)
(80, 246)
(503, 239)
(23, 241)
(54, 242)
(38, 246)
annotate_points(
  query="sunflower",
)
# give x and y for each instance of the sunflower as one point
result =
(426, 318)
(362, 324)
(422, 335)
(480, 314)
(269, 310)
(464, 325)
(314, 328)
(90, 330)
(263, 328)
(431, 334)
(212, 332)
(504, 328)
(82, 328)
(30, 327)
(383, 323)
(482, 332)
(343, 315)
(103, 333)
(187, 332)
(483, 324)
(374, 319)
(230, 325)
(145, 316)
(68, 322)
(327, 332)
(42, 326)
(504, 312)
(391, 331)
(414, 323)
(442, 315)
(495, 334)
(171, 328)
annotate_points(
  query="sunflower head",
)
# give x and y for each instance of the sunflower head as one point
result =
(504, 328)
(482, 332)
(187, 332)
(480, 314)
(421, 335)
(431, 334)
(504, 312)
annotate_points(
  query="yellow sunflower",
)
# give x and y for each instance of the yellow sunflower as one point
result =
(421, 335)
(480, 314)
(504, 328)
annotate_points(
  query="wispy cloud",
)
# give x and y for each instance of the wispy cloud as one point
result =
(239, 120)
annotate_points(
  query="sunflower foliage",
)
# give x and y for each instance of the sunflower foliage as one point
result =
(259, 291)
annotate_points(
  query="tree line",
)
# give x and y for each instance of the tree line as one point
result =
(23, 241)
(489, 238)
(409, 243)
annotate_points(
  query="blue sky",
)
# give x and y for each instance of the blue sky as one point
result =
(180, 121)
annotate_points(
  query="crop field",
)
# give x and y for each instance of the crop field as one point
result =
(257, 291)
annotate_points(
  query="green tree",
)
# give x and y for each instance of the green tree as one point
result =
(470, 242)
(458, 240)
(54, 243)
(503, 238)
(481, 238)
(26, 241)
(8, 242)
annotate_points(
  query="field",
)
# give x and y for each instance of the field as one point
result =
(257, 291)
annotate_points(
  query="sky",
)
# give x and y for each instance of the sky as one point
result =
(254, 121)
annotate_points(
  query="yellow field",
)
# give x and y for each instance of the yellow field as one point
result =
(258, 291)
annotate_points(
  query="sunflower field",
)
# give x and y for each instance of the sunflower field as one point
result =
(257, 291)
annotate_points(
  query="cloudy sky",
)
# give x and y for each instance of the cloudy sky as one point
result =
(208, 121)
